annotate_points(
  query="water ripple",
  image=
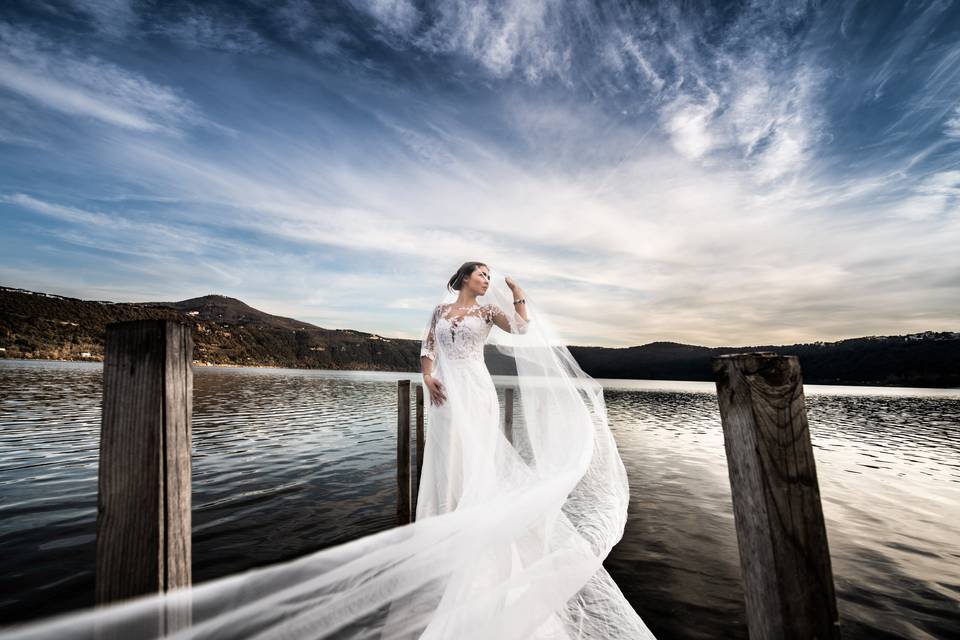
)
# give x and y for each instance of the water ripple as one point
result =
(287, 462)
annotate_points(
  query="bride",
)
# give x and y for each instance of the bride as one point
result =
(510, 537)
(464, 414)
(539, 572)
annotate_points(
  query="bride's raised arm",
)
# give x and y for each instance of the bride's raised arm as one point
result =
(517, 324)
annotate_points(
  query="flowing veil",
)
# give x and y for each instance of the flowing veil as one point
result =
(524, 559)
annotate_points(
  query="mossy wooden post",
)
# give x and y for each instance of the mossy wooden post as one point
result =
(143, 501)
(781, 535)
(508, 414)
(403, 452)
(420, 446)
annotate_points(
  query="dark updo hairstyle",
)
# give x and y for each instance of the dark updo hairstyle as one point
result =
(463, 273)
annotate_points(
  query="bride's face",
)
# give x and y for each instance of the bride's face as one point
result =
(479, 281)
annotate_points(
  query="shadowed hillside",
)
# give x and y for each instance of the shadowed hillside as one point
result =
(225, 331)
(929, 359)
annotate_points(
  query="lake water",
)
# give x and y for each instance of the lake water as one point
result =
(286, 462)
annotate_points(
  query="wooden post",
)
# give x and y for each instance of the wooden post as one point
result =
(403, 452)
(788, 581)
(144, 502)
(508, 414)
(421, 443)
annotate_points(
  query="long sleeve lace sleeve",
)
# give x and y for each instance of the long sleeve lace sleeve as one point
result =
(428, 344)
(511, 324)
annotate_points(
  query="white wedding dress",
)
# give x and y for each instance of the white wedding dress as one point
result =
(464, 438)
(509, 540)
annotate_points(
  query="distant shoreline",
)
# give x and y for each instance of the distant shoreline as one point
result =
(228, 332)
(205, 365)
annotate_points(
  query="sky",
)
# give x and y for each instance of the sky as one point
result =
(728, 173)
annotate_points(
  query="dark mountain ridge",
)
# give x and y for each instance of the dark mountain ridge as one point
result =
(217, 308)
(229, 332)
(929, 359)
(226, 331)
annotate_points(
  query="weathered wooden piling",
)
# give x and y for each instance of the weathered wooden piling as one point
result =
(420, 445)
(784, 556)
(403, 452)
(144, 501)
(508, 414)
(408, 491)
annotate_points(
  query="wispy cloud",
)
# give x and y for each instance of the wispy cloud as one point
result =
(752, 95)
(647, 172)
(935, 196)
(70, 82)
(114, 18)
(395, 16)
(952, 126)
(206, 29)
(666, 241)
(69, 214)
(689, 126)
(530, 38)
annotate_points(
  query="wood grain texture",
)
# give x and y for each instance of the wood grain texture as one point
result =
(144, 496)
(508, 414)
(784, 555)
(421, 444)
(403, 452)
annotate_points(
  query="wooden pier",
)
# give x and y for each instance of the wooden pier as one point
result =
(788, 581)
(144, 499)
(407, 490)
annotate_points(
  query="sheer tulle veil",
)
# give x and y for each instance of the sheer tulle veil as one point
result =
(525, 561)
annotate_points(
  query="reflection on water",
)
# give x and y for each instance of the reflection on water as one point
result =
(889, 475)
(286, 462)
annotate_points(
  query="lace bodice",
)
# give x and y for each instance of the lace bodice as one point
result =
(461, 333)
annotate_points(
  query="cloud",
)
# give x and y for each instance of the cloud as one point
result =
(211, 30)
(631, 48)
(15, 138)
(952, 126)
(667, 250)
(67, 214)
(116, 233)
(672, 249)
(516, 36)
(934, 196)
(295, 17)
(645, 173)
(688, 125)
(83, 85)
(16, 128)
(112, 17)
(397, 16)
(920, 22)
(302, 22)
(752, 94)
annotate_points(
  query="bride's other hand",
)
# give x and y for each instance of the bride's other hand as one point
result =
(437, 393)
(510, 283)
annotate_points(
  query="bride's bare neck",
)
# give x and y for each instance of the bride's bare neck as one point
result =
(465, 300)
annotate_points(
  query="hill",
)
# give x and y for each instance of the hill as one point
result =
(227, 331)
(930, 359)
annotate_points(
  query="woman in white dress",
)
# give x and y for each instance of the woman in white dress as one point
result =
(464, 412)
(557, 497)
(510, 538)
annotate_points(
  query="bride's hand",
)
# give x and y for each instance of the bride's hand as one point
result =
(510, 283)
(437, 393)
